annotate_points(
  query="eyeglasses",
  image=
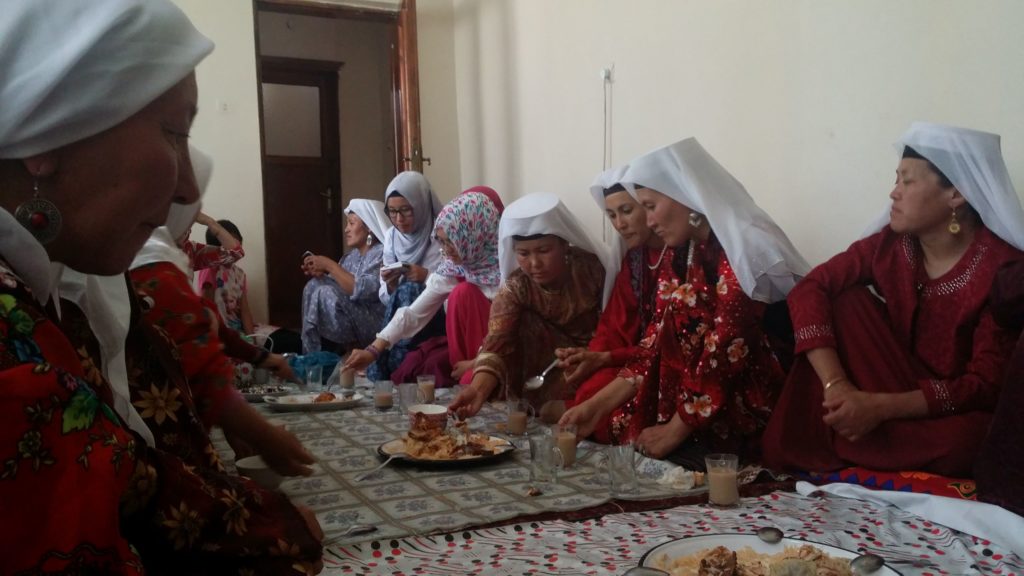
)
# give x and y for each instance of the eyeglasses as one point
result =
(404, 212)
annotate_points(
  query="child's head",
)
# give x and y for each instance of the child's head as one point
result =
(228, 225)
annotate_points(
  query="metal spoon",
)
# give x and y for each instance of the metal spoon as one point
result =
(366, 475)
(644, 571)
(769, 534)
(866, 563)
(357, 529)
(538, 381)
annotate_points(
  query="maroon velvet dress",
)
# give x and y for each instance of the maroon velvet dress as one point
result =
(933, 335)
(999, 470)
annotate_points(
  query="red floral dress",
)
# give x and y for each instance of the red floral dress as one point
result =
(80, 493)
(706, 357)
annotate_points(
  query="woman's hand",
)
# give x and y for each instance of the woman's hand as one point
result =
(585, 416)
(659, 441)
(460, 368)
(315, 530)
(390, 279)
(359, 360)
(205, 220)
(278, 366)
(851, 412)
(468, 402)
(318, 265)
(578, 364)
(416, 273)
(282, 451)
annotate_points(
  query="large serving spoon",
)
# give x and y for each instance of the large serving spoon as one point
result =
(644, 571)
(769, 534)
(366, 475)
(538, 381)
(867, 563)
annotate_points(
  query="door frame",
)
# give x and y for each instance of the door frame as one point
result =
(405, 80)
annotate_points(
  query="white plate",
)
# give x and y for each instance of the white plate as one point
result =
(397, 446)
(304, 403)
(256, 394)
(695, 544)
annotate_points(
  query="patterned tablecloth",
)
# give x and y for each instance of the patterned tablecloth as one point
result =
(611, 544)
(402, 500)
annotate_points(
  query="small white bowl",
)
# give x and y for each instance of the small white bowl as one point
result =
(256, 469)
(436, 414)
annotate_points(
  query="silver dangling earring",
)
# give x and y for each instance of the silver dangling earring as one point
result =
(369, 239)
(696, 219)
(39, 216)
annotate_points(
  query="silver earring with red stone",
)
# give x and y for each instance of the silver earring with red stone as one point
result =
(39, 216)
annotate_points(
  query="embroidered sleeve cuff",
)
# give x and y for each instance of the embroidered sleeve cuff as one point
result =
(936, 393)
(814, 336)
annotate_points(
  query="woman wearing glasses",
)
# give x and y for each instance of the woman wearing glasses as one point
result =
(410, 255)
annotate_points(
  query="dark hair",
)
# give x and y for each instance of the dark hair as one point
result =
(614, 189)
(530, 237)
(228, 225)
(909, 152)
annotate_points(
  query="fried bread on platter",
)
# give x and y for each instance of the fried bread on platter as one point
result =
(427, 441)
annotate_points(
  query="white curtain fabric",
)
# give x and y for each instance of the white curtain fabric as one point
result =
(371, 212)
(766, 263)
(69, 70)
(973, 162)
(543, 213)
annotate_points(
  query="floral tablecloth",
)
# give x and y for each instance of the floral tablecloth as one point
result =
(401, 500)
(611, 544)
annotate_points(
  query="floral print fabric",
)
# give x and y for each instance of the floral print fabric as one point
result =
(705, 357)
(471, 223)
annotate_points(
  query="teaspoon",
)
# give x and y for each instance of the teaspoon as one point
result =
(769, 534)
(538, 381)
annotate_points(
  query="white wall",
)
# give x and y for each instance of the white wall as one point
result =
(227, 129)
(799, 99)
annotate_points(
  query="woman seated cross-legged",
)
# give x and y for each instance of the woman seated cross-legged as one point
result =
(901, 359)
(465, 283)
(705, 377)
(340, 303)
(630, 308)
(411, 254)
(554, 281)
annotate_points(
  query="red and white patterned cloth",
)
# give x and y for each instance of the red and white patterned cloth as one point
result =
(610, 545)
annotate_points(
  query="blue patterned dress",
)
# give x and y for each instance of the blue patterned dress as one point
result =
(329, 312)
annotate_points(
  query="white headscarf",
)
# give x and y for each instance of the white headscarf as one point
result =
(412, 248)
(69, 70)
(371, 212)
(764, 260)
(616, 245)
(543, 213)
(973, 162)
(182, 216)
(162, 245)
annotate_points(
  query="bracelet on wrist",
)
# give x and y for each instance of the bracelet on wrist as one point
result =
(833, 382)
(373, 351)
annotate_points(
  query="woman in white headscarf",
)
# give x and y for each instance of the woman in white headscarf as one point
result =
(706, 373)
(93, 152)
(411, 254)
(908, 381)
(340, 305)
(630, 308)
(553, 286)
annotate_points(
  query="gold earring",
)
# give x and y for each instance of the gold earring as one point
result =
(954, 225)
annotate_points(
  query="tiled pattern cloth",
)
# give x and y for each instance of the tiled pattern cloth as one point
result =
(612, 544)
(403, 501)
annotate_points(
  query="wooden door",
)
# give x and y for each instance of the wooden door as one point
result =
(301, 175)
(406, 80)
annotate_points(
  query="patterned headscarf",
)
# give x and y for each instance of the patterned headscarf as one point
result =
(471, 222)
